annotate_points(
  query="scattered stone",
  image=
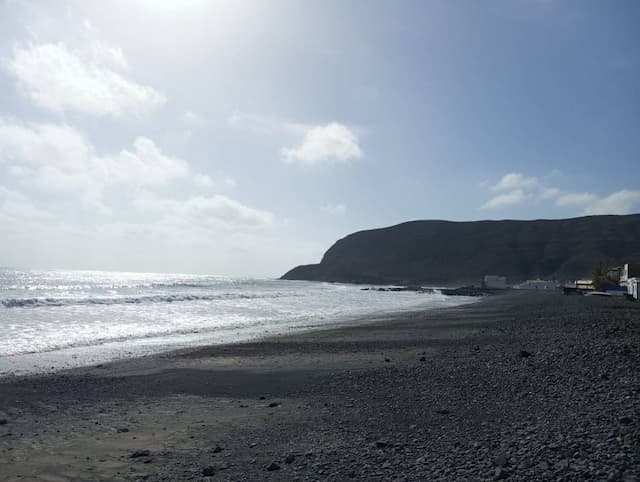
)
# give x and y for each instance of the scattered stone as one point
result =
(525, 354)
(423, 358)
(381, 444)
(273, 466)
(443, 411)
(263, 398)
(217, 449)
(500, 461)
(209, 471)
(140, 453)
(290, 459)
(500, 473)
(273, 404)
(387, 360)
(123, 430)
(3, 421)
(625, 420)
(543, 466)
(578, 466)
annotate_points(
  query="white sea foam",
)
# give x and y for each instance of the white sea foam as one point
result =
(52, 319)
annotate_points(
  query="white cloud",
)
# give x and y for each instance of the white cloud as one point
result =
(192, 119)
(230, 182)
(325, 144)
(516, 196)
(576, 199)
(531, 189)
(15, 206)
(331, 143)
(59, 79)
(204, 181)
(515, 180)
(6, 193)
(334, 209)
(59, 158)
(145, 165)
(206, 211)
(21, 210)
(550, 193)
(620, 202)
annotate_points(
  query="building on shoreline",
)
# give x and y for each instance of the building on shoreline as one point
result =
(630, 278)
(537, 284)
(632, 287)
(629, 271)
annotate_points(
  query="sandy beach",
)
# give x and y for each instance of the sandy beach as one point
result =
(522, 386)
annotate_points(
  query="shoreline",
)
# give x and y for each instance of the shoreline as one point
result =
(115, 351)
(524, 386)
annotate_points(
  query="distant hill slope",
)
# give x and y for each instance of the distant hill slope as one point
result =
(450, 253)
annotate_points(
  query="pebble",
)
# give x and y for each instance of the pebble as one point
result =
(500, 473)
(140, 453)
(500, 461)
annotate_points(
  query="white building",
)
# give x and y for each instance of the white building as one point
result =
(537, 284)
(495, 282)
(629, 271)
(630, 278)
(632, 287)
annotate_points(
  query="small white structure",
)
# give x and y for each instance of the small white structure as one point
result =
(629, 271)
(538, 284)
(495, 282)
(584, 284)
(632, 287)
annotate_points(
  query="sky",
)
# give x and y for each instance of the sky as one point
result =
(242, 138)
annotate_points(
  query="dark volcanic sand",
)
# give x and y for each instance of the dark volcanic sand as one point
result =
(525, 386)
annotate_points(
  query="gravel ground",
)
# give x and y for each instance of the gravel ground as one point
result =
(525, 386)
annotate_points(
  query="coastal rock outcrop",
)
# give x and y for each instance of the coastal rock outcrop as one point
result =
(455, 253)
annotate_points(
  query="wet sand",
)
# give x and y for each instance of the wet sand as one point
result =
(523, 386)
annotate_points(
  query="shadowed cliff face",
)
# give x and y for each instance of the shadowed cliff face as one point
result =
(444, 252)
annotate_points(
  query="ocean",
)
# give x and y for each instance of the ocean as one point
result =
(55, 319)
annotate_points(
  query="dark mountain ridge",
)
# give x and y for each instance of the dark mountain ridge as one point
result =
(450, 253)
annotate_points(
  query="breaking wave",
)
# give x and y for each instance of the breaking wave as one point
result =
(130, 300)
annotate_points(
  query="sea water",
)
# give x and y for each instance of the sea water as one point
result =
(57, 319)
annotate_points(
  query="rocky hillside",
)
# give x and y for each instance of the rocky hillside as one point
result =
(453, 253)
